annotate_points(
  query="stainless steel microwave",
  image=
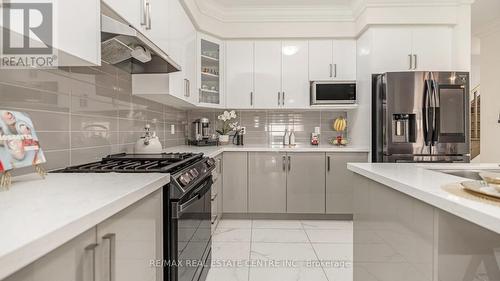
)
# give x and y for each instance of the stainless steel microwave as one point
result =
(333, 92)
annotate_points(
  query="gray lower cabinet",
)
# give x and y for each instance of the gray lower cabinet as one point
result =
(119, 248)
(306, 183)
(267, 182)
(73, 261)
(235, 180)
(217, 192)
(131, 239)
(339, 181)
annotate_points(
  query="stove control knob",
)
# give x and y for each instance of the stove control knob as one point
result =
(184, 180)
(194, 172)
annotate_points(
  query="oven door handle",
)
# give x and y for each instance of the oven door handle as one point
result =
(188, 204)
(199, 192)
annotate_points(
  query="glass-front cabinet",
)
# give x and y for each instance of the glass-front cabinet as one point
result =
(210, 62)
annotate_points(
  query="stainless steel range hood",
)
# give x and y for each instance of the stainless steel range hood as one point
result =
(124, 46)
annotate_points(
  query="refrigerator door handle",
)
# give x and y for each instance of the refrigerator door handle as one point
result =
(426, 116)
(435, 111)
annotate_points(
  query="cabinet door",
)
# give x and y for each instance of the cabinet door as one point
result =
(344, 59)
(179, 32)
(339, 181)
(306, 183)
(320, 60)
(295, 75)
(266, 182)
(61, 39)
(158, 32)
(210, 65)
(132, 238)
(267, 73)
(73, 261)
(391, 49)
(133, 11)
(433, 48)
(235, 189)
(239, 74)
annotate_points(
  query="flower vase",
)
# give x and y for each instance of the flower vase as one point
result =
(223, 139)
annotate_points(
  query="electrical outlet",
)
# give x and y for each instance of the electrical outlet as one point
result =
(172, 129)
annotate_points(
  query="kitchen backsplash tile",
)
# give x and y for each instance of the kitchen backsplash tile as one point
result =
(268, 126)
(85, 113)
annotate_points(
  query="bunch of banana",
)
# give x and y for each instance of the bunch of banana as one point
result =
(340, 124)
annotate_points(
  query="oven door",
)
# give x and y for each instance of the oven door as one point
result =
(328, 92)
(190, 234)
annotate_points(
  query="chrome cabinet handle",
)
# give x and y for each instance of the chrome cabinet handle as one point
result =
(411, 62)
(335, 70)
(251, 98)
(289, 163)
(279, 98)
(188, 88)
(185, 87)
(328, 163)
(415, 62)
(284, 163)
(111, 237)
(144, 9)
(283, 99)
(91, 248)
(148, 10)
(331, 70)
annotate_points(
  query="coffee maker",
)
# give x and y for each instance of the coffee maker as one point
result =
(200, 133)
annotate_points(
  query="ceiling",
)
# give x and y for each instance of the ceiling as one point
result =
(485, 13)
(282, 3)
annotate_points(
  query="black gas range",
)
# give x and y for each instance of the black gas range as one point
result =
(186, 206)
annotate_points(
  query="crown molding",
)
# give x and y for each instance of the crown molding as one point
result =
(274, 14)
(345, 21)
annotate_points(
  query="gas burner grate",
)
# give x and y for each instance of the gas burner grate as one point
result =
(138, 163)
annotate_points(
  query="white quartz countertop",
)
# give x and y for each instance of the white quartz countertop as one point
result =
(212, 151)
(38, 215)
(421, 182)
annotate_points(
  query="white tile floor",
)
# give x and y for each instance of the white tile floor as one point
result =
(270, 250)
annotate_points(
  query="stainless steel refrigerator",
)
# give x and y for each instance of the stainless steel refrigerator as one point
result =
(420, 117)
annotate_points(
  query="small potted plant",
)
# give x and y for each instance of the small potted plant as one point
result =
(228, 124)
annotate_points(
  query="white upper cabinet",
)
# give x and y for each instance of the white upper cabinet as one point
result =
(344, 59)
(332, 60)
(158, 23)
(267, 74)
(182, 49)
(320, 60)
(391, 49)
(133, 11)
(295, 84)
(71, 39)
(210, 63)
(239, 74)
(432, 48)
(402, 48)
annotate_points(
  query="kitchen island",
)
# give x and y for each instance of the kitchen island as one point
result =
(409, 224)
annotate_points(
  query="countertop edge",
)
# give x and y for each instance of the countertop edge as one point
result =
(28, 253)
(213, 151)
(486, 221)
